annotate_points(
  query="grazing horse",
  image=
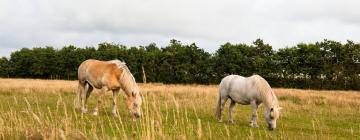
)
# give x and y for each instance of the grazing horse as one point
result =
(252, 90)
(107, 75)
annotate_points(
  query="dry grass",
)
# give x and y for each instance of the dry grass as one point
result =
(32, 109)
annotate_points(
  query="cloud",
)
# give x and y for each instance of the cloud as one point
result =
(206, 22)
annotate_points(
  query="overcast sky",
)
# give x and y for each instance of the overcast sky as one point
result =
(208, 23)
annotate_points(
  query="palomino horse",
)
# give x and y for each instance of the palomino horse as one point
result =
(252, 90)
(107, 75)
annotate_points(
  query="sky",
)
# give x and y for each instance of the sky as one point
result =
(208, 23)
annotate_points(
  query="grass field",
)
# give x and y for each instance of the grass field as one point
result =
(43, 109)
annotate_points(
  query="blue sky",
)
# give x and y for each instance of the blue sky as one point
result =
(208, 23)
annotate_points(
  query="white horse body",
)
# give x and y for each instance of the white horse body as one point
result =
(252, 90)
(242, 93)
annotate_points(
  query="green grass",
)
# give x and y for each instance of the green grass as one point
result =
(169, 115)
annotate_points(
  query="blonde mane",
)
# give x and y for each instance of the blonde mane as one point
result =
(126, 79)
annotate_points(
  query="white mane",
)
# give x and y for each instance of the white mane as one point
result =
(266, 93)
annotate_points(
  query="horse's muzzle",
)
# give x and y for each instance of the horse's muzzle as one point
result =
(136, 115)
(269, 127)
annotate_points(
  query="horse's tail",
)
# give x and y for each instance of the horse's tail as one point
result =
(218, 108)
(77, 101)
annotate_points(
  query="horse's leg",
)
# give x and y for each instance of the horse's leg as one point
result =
(99, 101)
(78, 100)
(254, 106)
(222, 104)
(231, 107)
(114, 110)
(88, 90)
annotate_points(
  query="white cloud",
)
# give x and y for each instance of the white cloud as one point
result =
(206, 22)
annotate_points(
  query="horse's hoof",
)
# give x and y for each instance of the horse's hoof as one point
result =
(231, 121)
(95, 114)
(220, 121)
(115, 115)
(84, 111)
(254, 125)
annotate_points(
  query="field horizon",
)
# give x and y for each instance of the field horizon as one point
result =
(43, 109)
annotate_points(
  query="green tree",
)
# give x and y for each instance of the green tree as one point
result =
(150, 60)
(111, 51)
(4, 67)
(21, 63)
(262, 59)
(326, 64)
(68, 62)
(44, 65)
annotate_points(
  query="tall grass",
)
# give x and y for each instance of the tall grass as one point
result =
(43, 109)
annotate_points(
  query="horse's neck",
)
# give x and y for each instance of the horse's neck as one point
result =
(128, 84)
(270, 100)
(129, 89)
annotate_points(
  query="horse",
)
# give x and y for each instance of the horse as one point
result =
(107, 75)
(252, 90)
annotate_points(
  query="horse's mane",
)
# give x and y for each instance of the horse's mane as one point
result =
(266, 93)
(118, 63)
(126, 78)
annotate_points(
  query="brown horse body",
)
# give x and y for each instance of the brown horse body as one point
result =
(100, 74)
(107, 75)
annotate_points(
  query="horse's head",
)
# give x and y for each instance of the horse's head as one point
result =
(128, 84)
(134, 104)
(271, 115)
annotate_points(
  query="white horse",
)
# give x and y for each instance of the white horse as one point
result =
(107, 75)
(252, 90)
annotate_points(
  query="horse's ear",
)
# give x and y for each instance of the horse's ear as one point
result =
(279, 108)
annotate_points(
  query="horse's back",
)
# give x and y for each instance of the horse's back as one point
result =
(238, 88)
(229, 82)
(89, 65)
(99, 73)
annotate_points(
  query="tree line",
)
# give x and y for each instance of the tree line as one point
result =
(322, 65)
